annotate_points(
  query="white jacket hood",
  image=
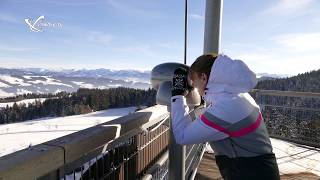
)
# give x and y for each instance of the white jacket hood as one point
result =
(229, 76)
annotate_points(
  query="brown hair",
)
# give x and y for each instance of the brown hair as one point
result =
(203, 64)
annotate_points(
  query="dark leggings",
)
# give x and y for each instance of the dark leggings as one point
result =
(263, 167)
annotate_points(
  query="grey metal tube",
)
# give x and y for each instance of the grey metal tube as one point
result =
(212, 29)
(177, 155)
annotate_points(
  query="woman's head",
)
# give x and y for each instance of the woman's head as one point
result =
(200, 72)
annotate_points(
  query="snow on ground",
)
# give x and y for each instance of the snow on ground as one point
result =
(49, 81)
(23, 91)
(28, 77)
(90, 86)
(293, 158)
(102, 87)
(26, 101)
(83, 85)
(13, 80)
(114, 85)
(17, 136)
(4, 94)
(57, 91)
(4, 85)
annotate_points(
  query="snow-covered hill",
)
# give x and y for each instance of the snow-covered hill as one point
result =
(17, 136)
(12, 85)
(125, 75)
(267, 76)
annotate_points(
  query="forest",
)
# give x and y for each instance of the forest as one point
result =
(80, 102)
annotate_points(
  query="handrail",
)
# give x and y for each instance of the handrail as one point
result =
(286, 93)
(41, 159)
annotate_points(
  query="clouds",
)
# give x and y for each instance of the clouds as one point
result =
(276, 36)
(126, 7)
(100, 37)
(9, 48)
(9, 18)
(278, 15)
(290, 53)
(196, 16)
(279, 63)
(287, 7)
(62, 2)
(272, 36)
(299, 42)
(139, 50)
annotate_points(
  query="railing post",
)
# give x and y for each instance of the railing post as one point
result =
(177, 155)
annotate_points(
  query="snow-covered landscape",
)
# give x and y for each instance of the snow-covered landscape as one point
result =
(23, 81)
(25, 101)
(17, 136)
(37, 80)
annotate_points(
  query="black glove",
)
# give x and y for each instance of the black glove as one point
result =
(180, 82)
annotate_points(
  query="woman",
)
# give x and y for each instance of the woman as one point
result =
(232, 122)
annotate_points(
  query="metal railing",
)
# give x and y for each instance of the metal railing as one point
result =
(291, 116)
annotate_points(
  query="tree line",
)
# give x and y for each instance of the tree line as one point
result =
(27, 96)
(306, 82)
(80, 102)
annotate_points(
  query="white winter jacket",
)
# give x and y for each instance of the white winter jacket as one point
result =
(232, 122)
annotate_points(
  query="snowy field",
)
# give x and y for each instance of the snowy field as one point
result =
(17, 136)
(26, 101)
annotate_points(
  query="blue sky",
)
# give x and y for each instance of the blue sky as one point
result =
(273, 36)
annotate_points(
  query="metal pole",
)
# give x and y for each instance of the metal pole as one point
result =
(212, 29)
(185, 31)
(177, 155)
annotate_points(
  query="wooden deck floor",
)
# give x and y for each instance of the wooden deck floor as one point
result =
(208, 170)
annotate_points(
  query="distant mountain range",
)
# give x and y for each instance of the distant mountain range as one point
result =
(126, 75)
(35, 80)
(38, 80)
(267, 76)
